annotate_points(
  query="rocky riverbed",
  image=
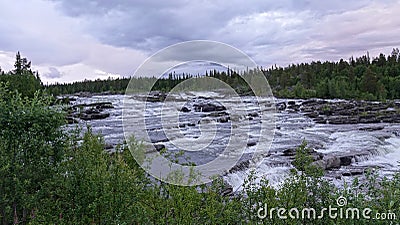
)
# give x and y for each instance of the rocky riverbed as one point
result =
(346, 137)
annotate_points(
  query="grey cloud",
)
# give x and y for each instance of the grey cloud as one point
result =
(53, 74)
(85, 32)
(156, 24)
(288, 26)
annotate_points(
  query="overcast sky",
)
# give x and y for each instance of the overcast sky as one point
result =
(69, 40)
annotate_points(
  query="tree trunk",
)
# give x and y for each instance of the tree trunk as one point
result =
(15, 213)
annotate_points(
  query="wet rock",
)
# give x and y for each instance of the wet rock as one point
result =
(156, 96)
(292, 105)
(241, 166)
(96, 105)
(251, 143)
(328, 163)
(372, 128)
(208, 107)
(346, 160)
(189, 124)
(342, 120)
(223, 119)
(313, 102)
(351, 112)
(289, 152)
(353, 172)
(317, 156)
(313, 115)
(159, 147)
(108, 146)
(185, 109)
(206, 121)
(370, 118)
(253, 114)
(218, 114)
(281, 106)
(320, 120)
(157, 136)
(93, 116)
(92, 111)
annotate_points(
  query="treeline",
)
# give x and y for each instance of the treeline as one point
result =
(119, 85)
(362, 78)
(50, 175)
(357, 78)
(376, 78)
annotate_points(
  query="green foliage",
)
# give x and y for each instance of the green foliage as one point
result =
(31, 148)
(360, 78)
(303, 161)
(22, 79)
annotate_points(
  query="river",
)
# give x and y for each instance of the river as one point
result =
(373, 144)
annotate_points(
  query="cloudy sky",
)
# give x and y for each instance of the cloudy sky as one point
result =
(69, 40)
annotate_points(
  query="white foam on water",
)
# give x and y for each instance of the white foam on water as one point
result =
(349, 141)
(275, 175)
(388, 155)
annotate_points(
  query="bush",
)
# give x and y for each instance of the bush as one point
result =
(31, 148)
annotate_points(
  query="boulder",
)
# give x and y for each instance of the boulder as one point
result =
(281, 106)
(240, 166)
(328, 162)
(353, 172)
(159, 147)
(253, 114)
(346, 160)
(251, 142)
(108, 146)
(223, 119)
(208, 107)
(157, 136)
(93, 116)
(332, 162)
(156, 96)
(289, 152)
(185, 109)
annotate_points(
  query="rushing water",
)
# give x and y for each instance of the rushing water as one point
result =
(382, 145)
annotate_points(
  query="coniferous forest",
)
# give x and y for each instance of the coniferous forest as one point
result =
(375, 78)
(51, 175)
